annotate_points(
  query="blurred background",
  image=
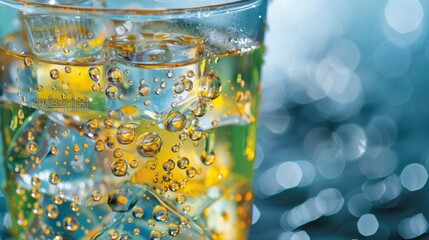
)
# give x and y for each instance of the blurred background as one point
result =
(344, 134)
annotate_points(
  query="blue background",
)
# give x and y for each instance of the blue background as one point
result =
(343, 145)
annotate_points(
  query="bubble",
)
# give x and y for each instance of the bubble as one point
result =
(183, 163)
(183, 136)
(92, 124)
(138, 212)
(136, 232)
(99, 146)
(149, 144)
(175, 122)
(113, 234)
(74, 207)
(160, 213)
(32, 147)
(190, 73)
(168, 165)
(35, 181)
(57, 200)
(94, 74)
(96, 196)
(414, 177)
(180, 198)
(191, 172)
(121, 199)
(119, 167)
(144, 90)
(173, 230)
(167, 176)
(134, 163)
(211, 86)
(108, 122)
(199, 108)
(126, 133)
(35, 193)
(67, 69)
(71, 224)
(54, 73)
(114, 75)
(178, 87)
(186, 209)
(28, 62)
(196, 132)
(170, 74)
(54, 178)
(111, 92)
(208, 159)
(52, 211)
(155, 235)
(367, 225)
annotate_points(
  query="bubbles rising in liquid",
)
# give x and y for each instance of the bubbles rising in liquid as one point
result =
(175, 122)
(54, 73)
(114, 75)
(173, 230)
(126, 134)
(54, 178)
(208, 158)
(149, 144)
(155, 235)
(71, 224)
(211, 85)
(160, 213)
(52, 211)
(183, 163)
(119, 167)
(138, 212)
(94, 74)
(143, 90)
(92, 124)
(168, 165)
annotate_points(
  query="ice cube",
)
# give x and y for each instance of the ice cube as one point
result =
(150, 216)
(66, 38)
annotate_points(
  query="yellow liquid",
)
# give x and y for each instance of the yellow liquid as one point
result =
(111, 150)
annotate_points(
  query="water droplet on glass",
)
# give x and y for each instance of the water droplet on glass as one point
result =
(126, 133)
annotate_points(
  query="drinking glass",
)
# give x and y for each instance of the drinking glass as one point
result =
(130, 119)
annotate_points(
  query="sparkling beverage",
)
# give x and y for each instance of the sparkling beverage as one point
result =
(136, 131)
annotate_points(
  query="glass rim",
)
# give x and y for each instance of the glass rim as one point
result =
(32, 6)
